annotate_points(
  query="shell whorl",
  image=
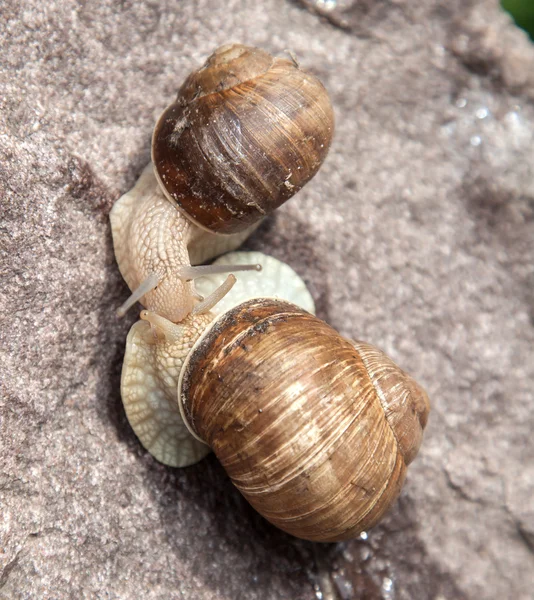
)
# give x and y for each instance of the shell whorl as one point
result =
(292, 413)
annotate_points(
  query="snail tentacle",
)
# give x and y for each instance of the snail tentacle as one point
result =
(215, 297)
(149, 284)
(162, 328)
(187, 273)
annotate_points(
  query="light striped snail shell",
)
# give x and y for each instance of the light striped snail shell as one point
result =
(315, 431)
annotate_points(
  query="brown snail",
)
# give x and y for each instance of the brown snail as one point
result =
(245, 133)
(314, 430)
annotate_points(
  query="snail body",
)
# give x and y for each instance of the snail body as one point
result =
(155, 245)
(245, 133)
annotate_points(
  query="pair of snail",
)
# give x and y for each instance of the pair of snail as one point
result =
(316, 431)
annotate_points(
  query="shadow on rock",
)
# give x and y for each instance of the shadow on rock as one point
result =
(206, 517)
(291, 241)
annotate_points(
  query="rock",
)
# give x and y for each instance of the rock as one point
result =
(416, 235)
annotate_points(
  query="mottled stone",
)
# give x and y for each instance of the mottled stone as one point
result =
(416, 235)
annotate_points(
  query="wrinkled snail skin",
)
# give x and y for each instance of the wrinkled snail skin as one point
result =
(246, 132)
(151, 368)
(150, 238)
(153, 239)
(316, 432)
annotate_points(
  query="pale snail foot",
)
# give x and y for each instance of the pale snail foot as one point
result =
(148, 389)
(277, 280)
(204, 245)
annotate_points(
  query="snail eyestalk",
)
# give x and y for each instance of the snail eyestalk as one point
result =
(149, 284)
(216, 296)
(189, 273)
(162, 327)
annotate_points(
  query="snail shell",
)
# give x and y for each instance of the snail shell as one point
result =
(316, 432)
(246, 132)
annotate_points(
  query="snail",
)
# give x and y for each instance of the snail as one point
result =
(314, 430)
(246, 132)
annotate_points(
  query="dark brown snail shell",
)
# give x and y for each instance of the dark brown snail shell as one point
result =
(246, 132)
(315, 431)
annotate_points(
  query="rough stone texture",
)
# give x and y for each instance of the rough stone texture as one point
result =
(416, 235)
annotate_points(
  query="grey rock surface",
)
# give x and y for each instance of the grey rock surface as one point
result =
(417, 235)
